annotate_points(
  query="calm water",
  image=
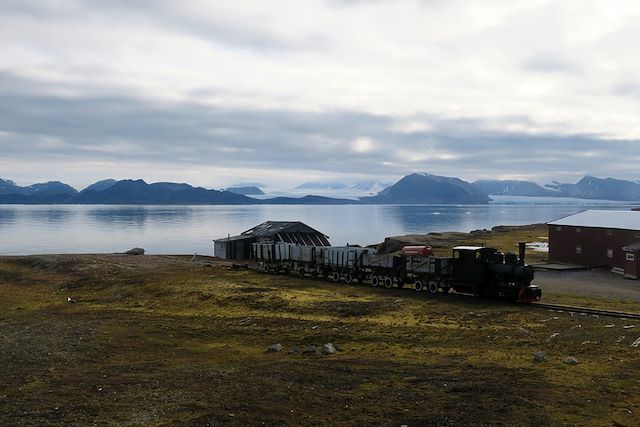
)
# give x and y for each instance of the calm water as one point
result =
(189, 229)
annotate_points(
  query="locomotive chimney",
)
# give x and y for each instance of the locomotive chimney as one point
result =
(522, 247)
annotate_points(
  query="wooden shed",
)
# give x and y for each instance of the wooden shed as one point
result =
(632, 261)
(239, 247)
(595, 238)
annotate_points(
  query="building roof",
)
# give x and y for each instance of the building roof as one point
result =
(233, 238)
(621, 220)
(468, 248)
(271, 228)
(632, 248)
(283, 231)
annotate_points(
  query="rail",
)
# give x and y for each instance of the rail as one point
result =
(586, 310)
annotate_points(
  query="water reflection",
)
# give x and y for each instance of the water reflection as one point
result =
(50, 216)
(423, 219)
(7, 217)
(138, 216)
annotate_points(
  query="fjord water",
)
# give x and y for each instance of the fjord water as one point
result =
(33, 229)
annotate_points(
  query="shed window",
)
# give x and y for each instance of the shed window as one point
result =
(578, 230)
(578, 249)
(609, 253)
(637, 234)
(631, 257)
(609, 232)
(558, 228)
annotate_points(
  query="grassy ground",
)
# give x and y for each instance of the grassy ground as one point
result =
(504, 238)
(157, 341)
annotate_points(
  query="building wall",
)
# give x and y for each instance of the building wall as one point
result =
(594, 245)
(233, 249)
(220, 249)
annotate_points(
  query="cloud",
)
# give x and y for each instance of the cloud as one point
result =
(220, 92)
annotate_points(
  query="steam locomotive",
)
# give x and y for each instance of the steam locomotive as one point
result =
(473, 270)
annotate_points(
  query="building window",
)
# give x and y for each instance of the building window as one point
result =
(609, 253)
(578, 230)
(558, 228)
(609, 232)
(578, 249)
(631, 257)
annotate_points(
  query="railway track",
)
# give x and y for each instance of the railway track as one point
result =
(586, 310)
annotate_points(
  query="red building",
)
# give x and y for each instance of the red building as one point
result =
(597, 238)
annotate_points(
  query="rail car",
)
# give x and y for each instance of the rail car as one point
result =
(473, 270)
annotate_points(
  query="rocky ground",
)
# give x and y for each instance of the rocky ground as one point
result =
(151, 340)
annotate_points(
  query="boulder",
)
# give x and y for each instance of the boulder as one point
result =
(273, 348)
(538, 356)
(294, 350)
(571, 360)
(135, 251)
(328, 348)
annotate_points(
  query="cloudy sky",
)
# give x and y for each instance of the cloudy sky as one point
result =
(281, 92)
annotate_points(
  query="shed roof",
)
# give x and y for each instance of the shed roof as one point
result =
(233, 238)
(271, 228)
(622, 220)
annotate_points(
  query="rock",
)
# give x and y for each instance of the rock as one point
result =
(571, 360)
(294, 350)
(328, 348)
(538, 356)
(71, 300)
(273, 348)
(135, 251)
(309, 349)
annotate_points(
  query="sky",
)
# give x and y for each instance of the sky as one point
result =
(215, 93)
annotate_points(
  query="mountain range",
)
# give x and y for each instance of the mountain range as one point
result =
(429, 189)
(589, 187)
(248, 190)
(416, 188)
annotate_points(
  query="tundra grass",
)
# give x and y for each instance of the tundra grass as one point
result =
(158, 341)
(504, 239)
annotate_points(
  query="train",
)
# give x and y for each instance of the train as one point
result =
(475, 270)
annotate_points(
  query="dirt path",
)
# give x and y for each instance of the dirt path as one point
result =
(595, 283)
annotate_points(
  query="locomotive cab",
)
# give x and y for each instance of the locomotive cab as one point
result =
(469, 265)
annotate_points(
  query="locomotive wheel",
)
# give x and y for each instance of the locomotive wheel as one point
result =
(418, 285)
(301, 272)
(348, 278)
(388, 282)
(266, 268)
(335, 276)
(375, 281)
(314, 274)
(432, 287)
